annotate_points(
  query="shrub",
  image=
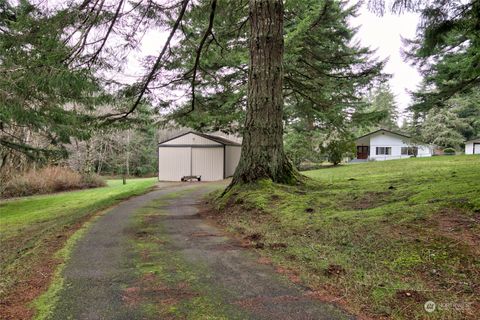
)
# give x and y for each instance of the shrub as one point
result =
(336, 150)
(449, 151)
(48, 180)
(93, 181)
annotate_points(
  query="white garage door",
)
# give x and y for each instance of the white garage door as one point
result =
(476, 148)
(173, 163)
(208, 163)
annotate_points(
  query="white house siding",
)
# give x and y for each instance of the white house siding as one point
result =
(469, 148)
(190, 139)
(472, 147)
(208, 163)
(173, 163)
(396, 142)
(424, 151)
(232, 157)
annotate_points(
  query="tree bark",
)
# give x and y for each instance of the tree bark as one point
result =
(127, 160)
(262, 149)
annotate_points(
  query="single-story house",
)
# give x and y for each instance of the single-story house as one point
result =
(384, 144)
(472, 146)
(197, 154)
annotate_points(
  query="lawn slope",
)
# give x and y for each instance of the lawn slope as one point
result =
(33, 228)
(380, 238)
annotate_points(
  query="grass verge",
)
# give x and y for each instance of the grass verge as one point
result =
(33, 229)
(379, 238)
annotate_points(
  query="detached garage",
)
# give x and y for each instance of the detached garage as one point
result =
(472, 146)
(197, 154)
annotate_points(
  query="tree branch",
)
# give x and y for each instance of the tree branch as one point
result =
(199, 51)
(110, 28)
(159, 59)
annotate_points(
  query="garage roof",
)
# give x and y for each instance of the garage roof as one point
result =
(217, 139)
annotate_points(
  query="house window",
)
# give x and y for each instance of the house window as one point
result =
(411, 151)
(384, 151)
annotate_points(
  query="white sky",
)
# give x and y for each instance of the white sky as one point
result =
(377, 32)
(384, 34)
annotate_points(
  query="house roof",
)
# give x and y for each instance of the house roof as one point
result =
(220, 140)
(392, 132)
(473, 139)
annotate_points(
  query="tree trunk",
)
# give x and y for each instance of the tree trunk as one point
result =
(262, 149)
(127, 160)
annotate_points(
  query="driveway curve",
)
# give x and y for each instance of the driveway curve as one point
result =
(102, 271)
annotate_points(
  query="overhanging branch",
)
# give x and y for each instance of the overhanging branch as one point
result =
(150, 76)
(208, 32)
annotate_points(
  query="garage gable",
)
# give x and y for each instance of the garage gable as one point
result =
(197, 154)
(190, 139)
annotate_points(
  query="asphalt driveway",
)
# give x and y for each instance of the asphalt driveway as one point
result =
(103, 269)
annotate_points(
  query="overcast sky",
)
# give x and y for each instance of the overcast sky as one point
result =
(384, 34)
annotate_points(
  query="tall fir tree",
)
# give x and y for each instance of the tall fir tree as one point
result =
(383, 102)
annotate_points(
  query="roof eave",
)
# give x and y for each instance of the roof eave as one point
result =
(222, 141)
(373, 132)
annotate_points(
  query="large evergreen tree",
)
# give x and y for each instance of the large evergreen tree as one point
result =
(445, 47)
(383, 102)
(43, 100)
(262, 148)
(324, 73)
(443, 128)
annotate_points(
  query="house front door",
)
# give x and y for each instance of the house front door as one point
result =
(362, 152)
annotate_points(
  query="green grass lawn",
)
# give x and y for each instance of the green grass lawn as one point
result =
(33, 228)
(380, 238)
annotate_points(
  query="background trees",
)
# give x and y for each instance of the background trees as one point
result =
(43, 100)
(383, 104)
(443, 128)
(63, 64)
(446, 51)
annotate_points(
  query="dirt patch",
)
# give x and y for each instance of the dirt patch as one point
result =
(131, 296)
(332, 295)
(334, 270)
(145, 255)
(277, 245)
(410, 301)
(152, 218)
(291, 274)
(458, 226)
(203, 234)
(253, 237)
(264, 260)
(142, 234)
(150, 287)
(367, 200)
(15, 305)
(409, 296)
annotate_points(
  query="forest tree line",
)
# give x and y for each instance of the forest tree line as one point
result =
(61, 102)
